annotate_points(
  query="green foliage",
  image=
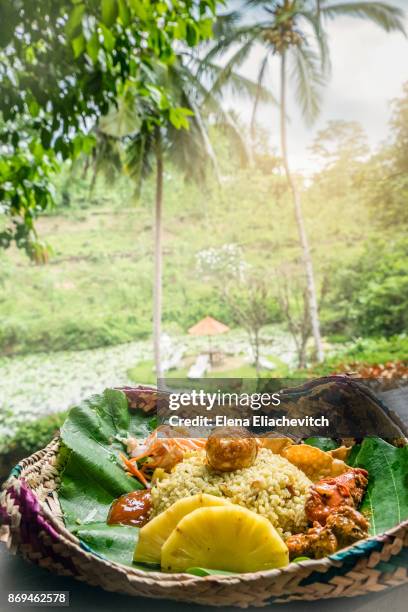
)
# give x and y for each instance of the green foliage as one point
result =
(97, 289)
(378, 350)
(371, 295)
(203, 571)
(367, 351)
(389, 168)
(62, 66)
(93, 475)
(24, 189)
(65, 333)
(383, 14)
(290, 30)
(386, 498)
(116, 542)
(325, 444)
(30, 437)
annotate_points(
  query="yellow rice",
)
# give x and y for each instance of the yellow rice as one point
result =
(272, 487)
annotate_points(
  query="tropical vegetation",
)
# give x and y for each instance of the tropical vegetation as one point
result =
(135, 200)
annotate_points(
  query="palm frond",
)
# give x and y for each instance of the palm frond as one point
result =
(308, 80)
(211, 103)
(204, 142)
(186, 151)
(139, 155)
(226, 24)
(238, 135)
(227, 72)
(238, 85)
(106, 156)
(271, 5)
(320, 38)
(389, 18)
(236, 36)
(259, 86)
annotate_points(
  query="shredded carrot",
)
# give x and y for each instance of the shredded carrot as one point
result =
(162, 452)
(132, 469)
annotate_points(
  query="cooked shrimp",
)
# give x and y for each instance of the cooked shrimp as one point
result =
(159, 452)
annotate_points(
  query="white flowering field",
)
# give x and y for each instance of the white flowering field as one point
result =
(39, 384)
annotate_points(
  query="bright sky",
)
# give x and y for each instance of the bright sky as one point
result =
(369, 68)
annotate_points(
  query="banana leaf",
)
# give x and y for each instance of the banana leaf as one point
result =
(204, 571)
(325, 444)
(113, 542)
(386, 498)
(92, 475)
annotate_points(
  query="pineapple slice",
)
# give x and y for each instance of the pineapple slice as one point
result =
(228, 538)
(153, 535)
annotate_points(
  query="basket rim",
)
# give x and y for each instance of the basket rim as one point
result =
(169, 579)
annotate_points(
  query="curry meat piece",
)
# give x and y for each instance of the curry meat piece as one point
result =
(332, 509)
(348, 525)
(344, 526)
(330, 493)
(317, 542)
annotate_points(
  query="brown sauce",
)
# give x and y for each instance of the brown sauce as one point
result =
(131, 509)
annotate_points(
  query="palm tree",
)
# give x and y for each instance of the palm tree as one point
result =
(292, 29)
(152, 135)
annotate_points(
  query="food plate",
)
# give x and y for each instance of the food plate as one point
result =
(55, 505)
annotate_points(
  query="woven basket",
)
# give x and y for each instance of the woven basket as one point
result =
(32, 524)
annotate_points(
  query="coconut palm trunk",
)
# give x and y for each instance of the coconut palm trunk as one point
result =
(304, 243)
(157, 292)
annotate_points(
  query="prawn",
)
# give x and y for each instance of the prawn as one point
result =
(163, 451)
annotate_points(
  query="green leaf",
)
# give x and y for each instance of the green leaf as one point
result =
(179, 117)
(325, 444)
(192, 34)
(138, 9)
(78, 45)
(389, 18)
(123, 120)
(109, 12)
(93, 475)
(115, 542)
(92, 47)
(108, 38)
(206, 28)
(353, 454)
(124, 13)
(203, 571)
(161, 8)
(148, 567)
(386, 498)
(33, 107)
(75, 19)
(180, 30)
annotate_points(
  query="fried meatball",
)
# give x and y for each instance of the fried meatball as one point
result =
(231, 448)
